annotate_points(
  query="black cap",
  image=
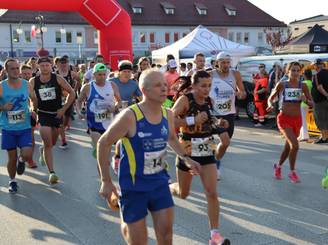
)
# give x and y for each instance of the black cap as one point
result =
(63, 59)
(44, 59)
(318, 61)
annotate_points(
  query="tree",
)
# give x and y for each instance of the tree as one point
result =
(277, 39)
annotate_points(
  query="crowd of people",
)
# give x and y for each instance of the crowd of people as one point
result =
(142, 110)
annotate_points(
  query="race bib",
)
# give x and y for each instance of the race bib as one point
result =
(47, 93)
(293, 94)
(102, 116)
(15, 117)
(154, 162)
(223, 106)
(202, 147)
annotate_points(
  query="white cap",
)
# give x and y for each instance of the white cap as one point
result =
(223, 55)
(172, 64)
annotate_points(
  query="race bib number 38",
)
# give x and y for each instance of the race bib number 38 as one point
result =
(47, 94)
(201, 147)
(15, 117)
(154, 162)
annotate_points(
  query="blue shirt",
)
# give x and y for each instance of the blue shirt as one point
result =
(142, 165)
(128, 90)
(18, 118)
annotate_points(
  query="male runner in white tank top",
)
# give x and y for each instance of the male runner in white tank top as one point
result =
(226, 85)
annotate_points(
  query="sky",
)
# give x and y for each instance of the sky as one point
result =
(290, 10)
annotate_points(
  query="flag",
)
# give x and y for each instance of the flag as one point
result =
(33, 31)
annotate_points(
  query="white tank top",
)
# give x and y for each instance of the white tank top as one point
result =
(223, 92)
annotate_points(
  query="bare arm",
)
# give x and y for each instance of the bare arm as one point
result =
(241, 93)
(116, 95)
(277, 89)
(308, 97)
(82, 97)
(66, 87)
(32, 95)
(322, 90)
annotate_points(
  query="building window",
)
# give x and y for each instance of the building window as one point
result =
(95, 37)
(176, 36)
(231, 36)
(68, 37)
(152, 37)
(322, 26)
(79, 37)
(135, 37)
(184, 34)
(309, 27)
(167, 37)
(246, 37)
(168, 8)
(296, 29)
(27, 35)
(238, 37)
(137, 10)
(15, 36)
(201, 8)
(260, 37)
(142, 37)
(231, 12)
(58, 37)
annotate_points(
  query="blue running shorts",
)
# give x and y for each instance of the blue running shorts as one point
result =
(12, 139)
(134, 205)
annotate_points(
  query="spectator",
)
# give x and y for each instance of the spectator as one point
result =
(304, 134)
(89, 74)
(189, 66)
(260, 97)
(171, 76)
(183, 69)
(320, 98)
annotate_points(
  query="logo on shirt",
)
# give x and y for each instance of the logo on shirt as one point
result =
(164, 130)
(147, 145)
(143, 135)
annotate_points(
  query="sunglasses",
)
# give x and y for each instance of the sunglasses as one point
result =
(261, 67)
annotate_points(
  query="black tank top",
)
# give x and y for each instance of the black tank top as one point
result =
(198, 130)
(48, 94)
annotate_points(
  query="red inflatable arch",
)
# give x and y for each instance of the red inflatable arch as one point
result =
(107, 16)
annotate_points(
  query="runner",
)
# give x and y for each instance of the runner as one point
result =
(289, 119)
(192, 115)
(49, 88)
(88, 75)
(226, 85)
(102, 99)
(129, 93)
(73, 79)
(26, 74)
(199, 61)
(145, 129)
(15, 120)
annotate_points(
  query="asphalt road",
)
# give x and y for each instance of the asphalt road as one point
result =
(255, 208)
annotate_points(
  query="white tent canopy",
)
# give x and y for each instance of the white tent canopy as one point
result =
(202, 40)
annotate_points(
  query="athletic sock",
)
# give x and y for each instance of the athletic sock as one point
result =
(214, 231)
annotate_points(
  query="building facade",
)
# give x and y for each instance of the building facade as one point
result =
(299, 27)
(155, 24)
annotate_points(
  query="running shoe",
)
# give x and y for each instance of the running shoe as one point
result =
(321, 141)
(31, 164)
(218, 175)
(94, 153)
(63, 146)
(293, 177)
(41, 157)
(324, 182)
(53, 178)
(115, 163)
(277, 171)
(217, 239)
(13, 187)
(20, 166)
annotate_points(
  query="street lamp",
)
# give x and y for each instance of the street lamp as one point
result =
(41, 27)
(79, 41)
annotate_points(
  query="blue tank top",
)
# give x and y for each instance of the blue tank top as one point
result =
(142, 165)
(18, 118)
(99, 101)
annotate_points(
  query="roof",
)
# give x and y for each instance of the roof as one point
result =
(310, 19)
(316, 35)
(153, 14)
